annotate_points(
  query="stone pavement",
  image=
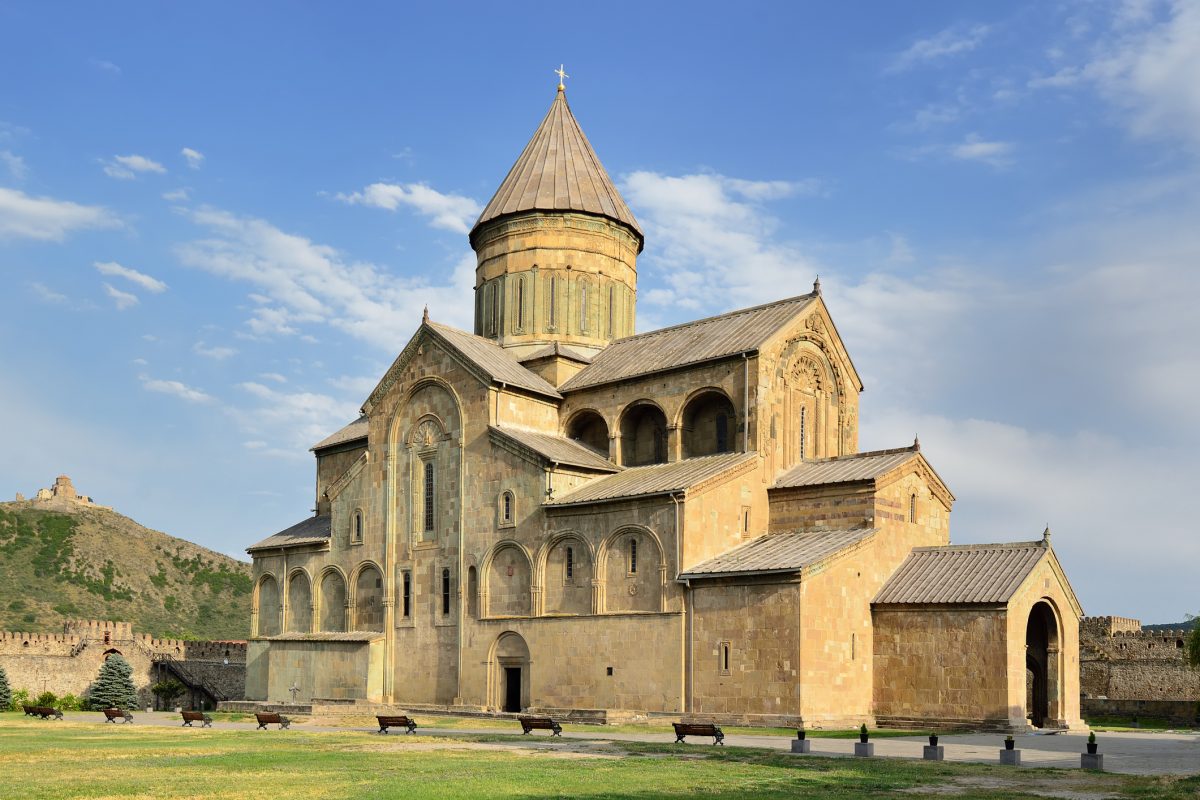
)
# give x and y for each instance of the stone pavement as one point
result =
(1133, 753)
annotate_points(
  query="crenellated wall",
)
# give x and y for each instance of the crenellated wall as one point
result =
(1118, 660)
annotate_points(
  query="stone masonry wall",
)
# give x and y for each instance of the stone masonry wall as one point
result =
(1120, 661)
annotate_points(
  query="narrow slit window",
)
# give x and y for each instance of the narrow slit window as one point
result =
(912, 508)
(611, 296)
(358, 526)
(406, 598)
(553, 299)
(445, 591)
(506, 507)
(429, 497)
(570, 563)
(724, 663)
(803, 431)
(583, 307)
(520, 304)
(633, 556)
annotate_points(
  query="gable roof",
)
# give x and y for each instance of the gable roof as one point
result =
(780, 553)
(314, 530)
(559, 171)
(708, 339)
(557, 349)
(557, 449)
(974, 573)
(655, 479)
(845, 469)
(354, 431)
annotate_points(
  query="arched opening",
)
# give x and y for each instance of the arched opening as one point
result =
(632, 572)
(268, 607)
(1043, 685)
(473, 592)
(508, 583)
(709, 425)
(368, 600)
(567, 583)
(589, 428)
(643, 436)
(299, 604)
(333, 602)
(510, 673)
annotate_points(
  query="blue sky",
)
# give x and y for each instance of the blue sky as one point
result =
(219, 223)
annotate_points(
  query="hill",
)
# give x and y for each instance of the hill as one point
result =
(1186, 625)
(92, 563)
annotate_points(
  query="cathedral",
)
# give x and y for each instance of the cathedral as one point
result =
(555, 513)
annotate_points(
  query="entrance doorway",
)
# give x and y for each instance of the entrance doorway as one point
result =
(512, 689)
(1043, 703)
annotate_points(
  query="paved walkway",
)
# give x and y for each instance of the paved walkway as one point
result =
(1134, 753)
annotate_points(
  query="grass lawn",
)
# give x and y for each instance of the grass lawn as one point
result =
(91, 760)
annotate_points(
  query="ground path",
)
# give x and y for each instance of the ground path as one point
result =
(1158, 753)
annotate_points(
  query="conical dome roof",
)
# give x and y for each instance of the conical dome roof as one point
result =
(558, 171)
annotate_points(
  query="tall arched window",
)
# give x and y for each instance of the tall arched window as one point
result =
(803, 431)
(583, 306)
(633, 556)
(445, 591)
(912, 508)
(570, 563)
(506, 508)
(489, 309)
(553, 299)
(520, 303)
(611, 295)
(429, 498)
(406, 598)
(357, 531)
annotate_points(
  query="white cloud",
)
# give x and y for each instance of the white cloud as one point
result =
(273, 376)
(306, 283)
(44, 218)
(451, 212)
(292, 421)
(128, 167)
(141, 362)
(143, 280)
(123, 300)
(194, 157)
(175, 389)
(952, 41)
(176, 196)
(14, 164)
(47, 294)
(105, 66)
(975, 148)
(215, 353)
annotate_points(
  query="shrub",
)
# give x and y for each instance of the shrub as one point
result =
(6, 695)
(20, 697)
(114, 686)
(69, 702)
(48, 699)
(168, 690)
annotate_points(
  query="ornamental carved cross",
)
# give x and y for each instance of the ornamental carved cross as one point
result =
(561, 76)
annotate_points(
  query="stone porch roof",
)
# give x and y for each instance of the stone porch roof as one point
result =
(845, 469)
(354, 431)
(780, 553)
(656, 479)
(973, 573)
(314, 530)
(557, 449)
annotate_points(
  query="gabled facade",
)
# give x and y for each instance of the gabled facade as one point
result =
(554, 513)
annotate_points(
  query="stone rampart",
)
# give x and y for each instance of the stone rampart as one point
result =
(1118, 660)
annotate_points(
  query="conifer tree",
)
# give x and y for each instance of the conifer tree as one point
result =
(5, 691)
(114, 686)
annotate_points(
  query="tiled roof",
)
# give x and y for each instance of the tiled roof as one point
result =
(558, 449)
(355, 430)
(557, 349)
(694, 342)
(498, 363)
(326, 636)
(976, 573)
(558, 171)
(845, 469)
(314, 530)
(656, 479)
(780, 552)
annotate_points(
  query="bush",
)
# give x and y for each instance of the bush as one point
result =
(69, 702)
(48, 699)
(168, 690)
(1193, 644)
(114, 686)
(20, 697)
(6, 695)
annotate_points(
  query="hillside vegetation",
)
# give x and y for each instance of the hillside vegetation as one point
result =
(93, 563)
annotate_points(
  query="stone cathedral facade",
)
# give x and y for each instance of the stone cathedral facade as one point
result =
(556, 513)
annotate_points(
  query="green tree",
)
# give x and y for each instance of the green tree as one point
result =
(114, 686)
(1193, 643)
(6, 697)
(168, 690)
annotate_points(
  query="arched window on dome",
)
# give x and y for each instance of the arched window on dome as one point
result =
(583, 306)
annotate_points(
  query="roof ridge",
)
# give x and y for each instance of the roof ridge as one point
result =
(714, 317)
(865, 454)
(980, 547)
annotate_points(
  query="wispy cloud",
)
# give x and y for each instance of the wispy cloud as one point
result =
(952, 41)
(175, 389)
(112, 268)
(300, 283)
(450, 212)
(194, 157)
(293, 421)
(104, 66)
(48, 295)
(25, 217)
(975, 148)
(177, 196)
(272, 376)
(126, 168)
(122, 300)
(216, 353)
(14, 164)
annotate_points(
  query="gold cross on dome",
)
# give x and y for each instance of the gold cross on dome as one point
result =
(561, 75)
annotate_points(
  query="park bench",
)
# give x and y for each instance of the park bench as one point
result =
(386, 722)
(271, 718)
(539, 724)
(114, 714)
(45, 712)
(196, 716)
(683, 729)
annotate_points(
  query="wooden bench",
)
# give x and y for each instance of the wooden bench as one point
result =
(539, 724)
(271, 718)
(386, 722)
(196, 716)
(683, 729)
(114, 714)
(45, 712)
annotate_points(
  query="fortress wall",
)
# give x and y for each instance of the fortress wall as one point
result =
(1120, 661)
